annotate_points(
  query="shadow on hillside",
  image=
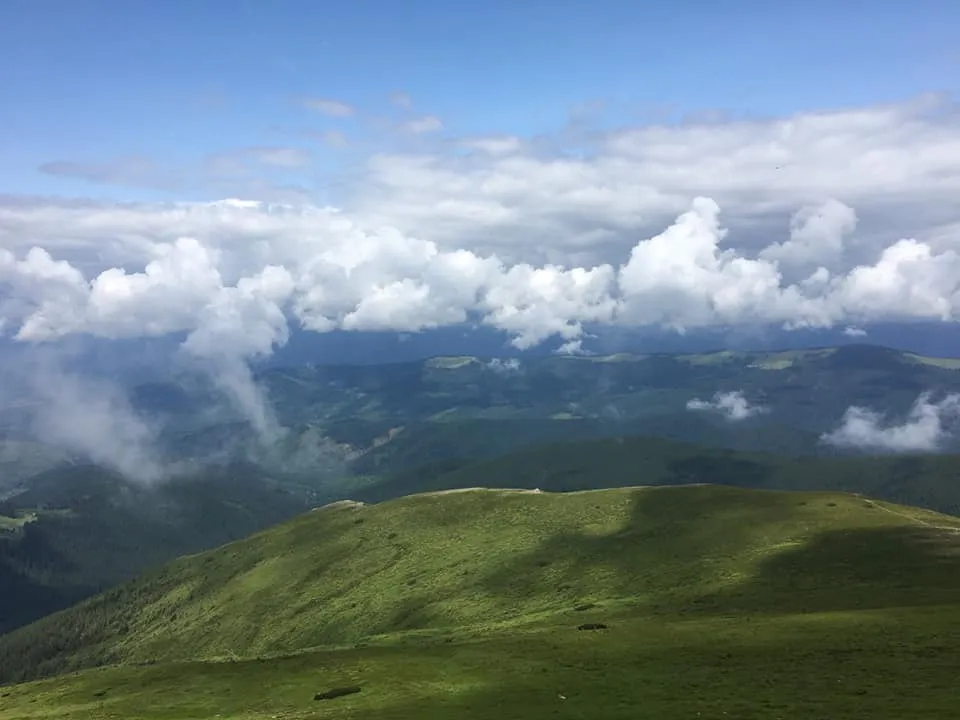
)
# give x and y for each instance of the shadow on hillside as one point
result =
(660, 555)
(861, 569)
(676, 542)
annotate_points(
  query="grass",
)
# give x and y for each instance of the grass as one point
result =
(889, 664)
(719, 601)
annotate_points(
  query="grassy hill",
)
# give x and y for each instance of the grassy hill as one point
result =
(89, 530)
(717, 600)
(923, 480)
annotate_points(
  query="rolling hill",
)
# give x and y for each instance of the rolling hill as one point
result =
(709, 599)
(80, 530)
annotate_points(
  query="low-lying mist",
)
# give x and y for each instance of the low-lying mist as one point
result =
(192, 415)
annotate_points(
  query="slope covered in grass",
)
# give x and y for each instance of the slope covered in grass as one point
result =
(887, 664)
(923, 480)
(467, 564)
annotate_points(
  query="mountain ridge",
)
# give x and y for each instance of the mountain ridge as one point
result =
(352, 574)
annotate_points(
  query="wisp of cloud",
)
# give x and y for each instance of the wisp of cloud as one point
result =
(732, 405)
(923, 430)
(92, 418)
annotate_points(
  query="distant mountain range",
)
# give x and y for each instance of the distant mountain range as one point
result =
(787, 399)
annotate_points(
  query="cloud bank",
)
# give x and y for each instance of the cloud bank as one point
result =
(831, 219)
(923, 430)
(234, 276)
(732, 405)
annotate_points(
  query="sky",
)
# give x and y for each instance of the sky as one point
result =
(233, 174)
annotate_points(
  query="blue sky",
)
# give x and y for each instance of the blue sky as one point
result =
(86, 81)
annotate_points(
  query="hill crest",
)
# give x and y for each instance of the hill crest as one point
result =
(435, 565)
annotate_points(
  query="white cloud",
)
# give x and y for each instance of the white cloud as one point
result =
(572, 347)
(600, 190)
(510, 366)
(231, 274)
(93, 419)
(923, 430)
(828, 219)
(329, 107)
(732, 405)
(816, 237)
(852, 331)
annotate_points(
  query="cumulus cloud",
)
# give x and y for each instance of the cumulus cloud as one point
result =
(816, 237)
(732, 405)
(923, 430)
(521, 235)
(852, 331)
(233, 275)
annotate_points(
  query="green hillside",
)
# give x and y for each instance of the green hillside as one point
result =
(89, 530)
(442, 605)
(923, 480)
